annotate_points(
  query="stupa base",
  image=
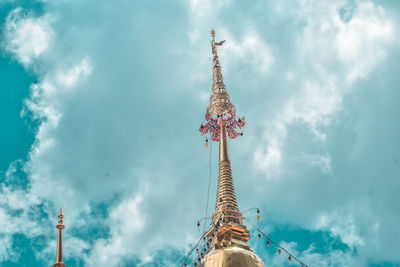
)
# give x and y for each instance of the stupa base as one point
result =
(231, 257)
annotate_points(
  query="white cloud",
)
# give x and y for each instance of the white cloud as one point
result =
(46, 96)
(70, 77)
(46, 104)
(332, 56)
(126, 222)
(269, 160)
(362, 42)
(17, 214)
(251, 49)
(313, 104)
(6, 251)
(16, 199)
(356, 46)
(203, 8)
(26, 37)
(342, 226)
(348, 223)
(312, 258)
(322, 161)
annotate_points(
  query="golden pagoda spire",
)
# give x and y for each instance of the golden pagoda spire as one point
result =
(59, 253)
(226, 241)
(222, 122)
(226, 207)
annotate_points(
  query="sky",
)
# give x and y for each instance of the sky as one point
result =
(100, 104)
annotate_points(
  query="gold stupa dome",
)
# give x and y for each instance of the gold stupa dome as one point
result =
(231, 257)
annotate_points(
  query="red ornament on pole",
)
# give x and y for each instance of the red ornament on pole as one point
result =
(231, 124)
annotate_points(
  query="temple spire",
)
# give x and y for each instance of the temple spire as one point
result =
(225, 242)
(226, 208)
(222, 123)
(59, 253)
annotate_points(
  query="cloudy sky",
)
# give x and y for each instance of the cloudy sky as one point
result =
(100, 103)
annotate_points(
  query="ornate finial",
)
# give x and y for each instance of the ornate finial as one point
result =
(60, 220)
(220, 102)
(59, 253)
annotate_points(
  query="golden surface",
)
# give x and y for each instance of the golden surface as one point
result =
(226, 207)
(231, 257)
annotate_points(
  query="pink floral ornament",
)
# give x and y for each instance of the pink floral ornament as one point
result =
(231, 125)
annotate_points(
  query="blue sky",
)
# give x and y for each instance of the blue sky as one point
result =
(100, 104)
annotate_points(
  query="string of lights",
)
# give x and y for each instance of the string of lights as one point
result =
(183, 255)
(280, 248)
(191, 251)
(199, 256)
(200, 253)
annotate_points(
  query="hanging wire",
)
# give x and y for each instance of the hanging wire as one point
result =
(198, 254)
(279, 247)
(195, 246)
(189, 251)
(204, 248)
(201, 253)
(183, 255)
(209, 185)
(249, 209)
